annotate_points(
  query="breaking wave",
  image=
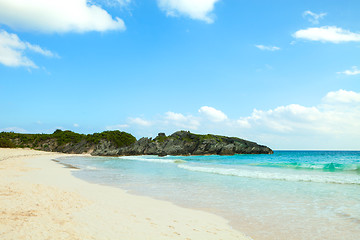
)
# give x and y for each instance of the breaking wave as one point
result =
(152, 159)
(278, 175)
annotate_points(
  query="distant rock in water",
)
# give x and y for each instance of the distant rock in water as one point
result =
(185, 143)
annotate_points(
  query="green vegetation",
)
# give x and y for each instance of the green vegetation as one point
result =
(208, 137)
(65, 137)
(61, 138)
(5, 143)
(161, 138)
(191, 137)
(120, 139)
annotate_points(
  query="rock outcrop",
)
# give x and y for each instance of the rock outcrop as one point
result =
(107, 142)
(116, 143)
(185, 143)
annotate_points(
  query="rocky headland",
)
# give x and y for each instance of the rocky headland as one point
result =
(185, 143)
(116, 143)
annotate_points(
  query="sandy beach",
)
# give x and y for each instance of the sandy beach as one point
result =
(40, 199)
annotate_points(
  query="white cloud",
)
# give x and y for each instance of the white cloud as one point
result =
(354, 71)
(335, 116)
(12, 51)
(331, 124)
(166, 121)
(213, 114)
(199, 9)
(267, 48)
(114, 3)
(57, 16)
(282, 119)
(123, 2)
(38, 49)
(313, 17)
(76, 125)
(342, 96)
(327, 34)
(13, 129)
(180, 120)
(140, 121)
(117, 127)
(175, 116)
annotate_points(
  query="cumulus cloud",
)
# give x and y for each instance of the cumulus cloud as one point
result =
(313, 17)
(57, 16)
(267, 48)
(12, 51)
(326, 118)
(140, 121)
(199, 9)
(182, 121)
(353, 71)
(212, 114)
(342, 96)
(331, 124)
(282, 119)
(331, 34)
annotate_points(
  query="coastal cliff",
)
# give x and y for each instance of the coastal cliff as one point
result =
(116, 143)
(186, 143)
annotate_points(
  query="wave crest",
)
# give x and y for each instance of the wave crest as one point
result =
(250, 173)
(152, 159)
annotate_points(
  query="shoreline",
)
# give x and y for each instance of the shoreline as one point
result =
(41, 199)
(260, 207)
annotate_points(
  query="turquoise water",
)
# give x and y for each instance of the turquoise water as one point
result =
(287, 195)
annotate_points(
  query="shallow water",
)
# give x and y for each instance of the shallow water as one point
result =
(287, 195)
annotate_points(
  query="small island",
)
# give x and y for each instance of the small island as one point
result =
(117, 143)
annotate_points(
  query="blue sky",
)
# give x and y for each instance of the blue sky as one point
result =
(282, 73)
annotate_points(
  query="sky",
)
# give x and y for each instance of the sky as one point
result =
(285, 74)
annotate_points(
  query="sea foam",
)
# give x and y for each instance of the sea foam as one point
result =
(152, 159)
(277, 175)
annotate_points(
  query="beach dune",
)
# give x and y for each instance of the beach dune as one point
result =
(40, 199)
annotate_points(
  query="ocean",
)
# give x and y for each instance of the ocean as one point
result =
(286, 195)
